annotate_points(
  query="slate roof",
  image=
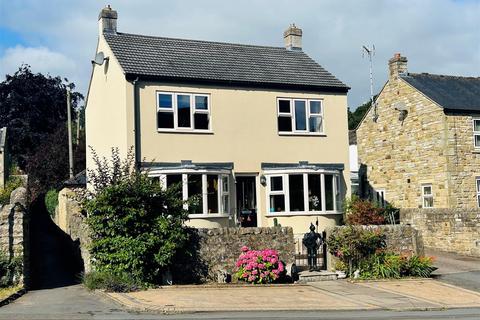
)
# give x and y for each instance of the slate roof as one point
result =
(450, 92)
(79, 180)
(204, 61)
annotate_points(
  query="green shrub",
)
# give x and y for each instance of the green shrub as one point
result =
(12, 184)
(384, 265)
(10, 270)
(110, 282)
(418, 266)
(352, 244)
(363, 212)
(136, 227)
(51, 201)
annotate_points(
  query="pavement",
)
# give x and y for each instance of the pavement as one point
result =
(458, 270)
(399, 295)
(454, 294)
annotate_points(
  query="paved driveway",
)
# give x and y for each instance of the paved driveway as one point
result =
(72, 302)
(458, 270)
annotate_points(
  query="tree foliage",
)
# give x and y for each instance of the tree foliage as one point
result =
(136, 226)
(356, 116)
(33, 106)
(48, 167)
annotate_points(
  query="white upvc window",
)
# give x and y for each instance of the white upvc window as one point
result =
(477, 182)
(476, 133)
(427, 196)
(276, 195)
(210, 191)
(304, 193)
(300, 116)
(183, 112)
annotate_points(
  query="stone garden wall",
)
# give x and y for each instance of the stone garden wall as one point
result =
(69, 218)
(219, 249)
(14, 229)
(399, 238)
(449, 230)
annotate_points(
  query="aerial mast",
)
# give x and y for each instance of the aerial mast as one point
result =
(370, 51)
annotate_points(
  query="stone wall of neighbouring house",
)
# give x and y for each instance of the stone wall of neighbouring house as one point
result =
(463, 161)
(399, 156)
(449, 230)
(218, 249)
(14, 229)
(69, 218)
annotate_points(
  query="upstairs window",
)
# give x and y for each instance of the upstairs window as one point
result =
(476, 133)
(183, 112)
(427, 196)
(300, 116)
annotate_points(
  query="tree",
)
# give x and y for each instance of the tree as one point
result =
(48, 166)
(33, 106)
(355, 117)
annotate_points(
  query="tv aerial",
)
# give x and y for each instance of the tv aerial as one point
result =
(370, 52)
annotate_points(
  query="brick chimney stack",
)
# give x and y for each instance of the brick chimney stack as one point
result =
(397, 65)
(293, 38)
(107, 20)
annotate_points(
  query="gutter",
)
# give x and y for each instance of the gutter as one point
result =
(136, 123)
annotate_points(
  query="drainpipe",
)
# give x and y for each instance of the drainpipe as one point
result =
(136, 124)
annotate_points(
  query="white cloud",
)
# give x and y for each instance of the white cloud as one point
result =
(41, 59)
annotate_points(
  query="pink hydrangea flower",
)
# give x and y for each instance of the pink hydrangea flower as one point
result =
(244, 249)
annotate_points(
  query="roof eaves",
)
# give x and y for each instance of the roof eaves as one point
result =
(248, 84)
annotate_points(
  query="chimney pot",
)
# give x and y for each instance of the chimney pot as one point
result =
(292, 38)
(107, 20)
(397, 65)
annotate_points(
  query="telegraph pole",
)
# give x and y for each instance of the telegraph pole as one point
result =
(69, 124)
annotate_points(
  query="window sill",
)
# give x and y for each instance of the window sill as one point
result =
(309, 213)
(208, 215)
(476, 150)
(189, 131)
(306, 134)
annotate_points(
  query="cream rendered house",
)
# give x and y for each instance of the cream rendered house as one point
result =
(258, 133)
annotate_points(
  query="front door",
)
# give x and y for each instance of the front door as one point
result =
(246, 201)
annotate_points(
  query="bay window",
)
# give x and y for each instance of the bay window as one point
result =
(300, 192)
(301, 116)
(183, 111)
(208, 191)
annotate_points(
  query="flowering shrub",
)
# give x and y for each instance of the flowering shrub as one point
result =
(258, 266)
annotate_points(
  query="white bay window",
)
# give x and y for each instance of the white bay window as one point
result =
(304, 192)
(208, 190)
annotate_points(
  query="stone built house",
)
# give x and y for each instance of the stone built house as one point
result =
(420, 146)
(3, 157)
(258, 132)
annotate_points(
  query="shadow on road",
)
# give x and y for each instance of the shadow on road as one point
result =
(55, 259)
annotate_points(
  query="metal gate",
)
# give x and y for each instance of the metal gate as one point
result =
(301, 258)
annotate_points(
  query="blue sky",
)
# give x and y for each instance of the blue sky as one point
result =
(437, 36)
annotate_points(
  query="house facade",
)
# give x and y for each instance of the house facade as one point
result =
(258, 134)
(419, 145)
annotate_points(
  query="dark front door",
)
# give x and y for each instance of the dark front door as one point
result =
(246, 201)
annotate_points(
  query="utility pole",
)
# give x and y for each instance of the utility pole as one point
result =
(77, 142)
(371, 52)
(69, 125)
